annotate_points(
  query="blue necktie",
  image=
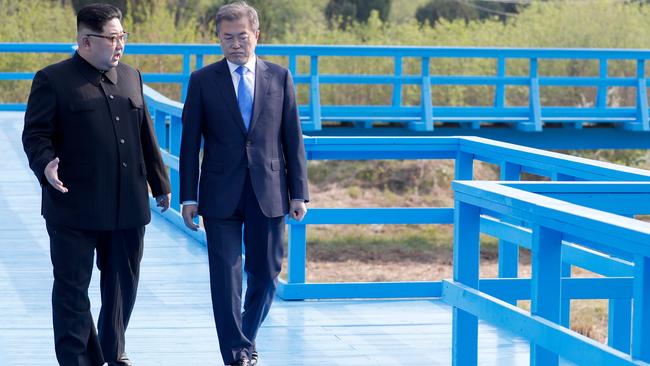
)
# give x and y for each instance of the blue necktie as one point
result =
(244, 96)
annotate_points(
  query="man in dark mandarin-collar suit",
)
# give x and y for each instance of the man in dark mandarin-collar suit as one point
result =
(253, 173)
(90, 142)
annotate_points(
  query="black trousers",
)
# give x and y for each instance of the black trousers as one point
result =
(263, 239)
(77, 342)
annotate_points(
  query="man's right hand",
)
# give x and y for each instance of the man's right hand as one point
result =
(189, 212)
(52, 175)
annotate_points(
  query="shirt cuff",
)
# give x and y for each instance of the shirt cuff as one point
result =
(189, 203)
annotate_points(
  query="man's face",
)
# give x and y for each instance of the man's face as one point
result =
(105, 53)
(238, 40)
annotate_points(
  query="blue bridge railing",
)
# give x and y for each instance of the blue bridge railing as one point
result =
(583, 217)
(420, 74)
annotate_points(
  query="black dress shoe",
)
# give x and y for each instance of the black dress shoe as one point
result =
(123, 360)
(254, 357)
(241, 362)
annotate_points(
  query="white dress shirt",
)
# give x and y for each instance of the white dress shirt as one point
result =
(250, 75)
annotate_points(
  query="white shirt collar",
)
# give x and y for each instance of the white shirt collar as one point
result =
(250, 65)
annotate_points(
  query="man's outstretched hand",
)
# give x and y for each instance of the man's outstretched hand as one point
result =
(52, 175)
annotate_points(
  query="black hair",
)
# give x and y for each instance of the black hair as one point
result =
(95, 16)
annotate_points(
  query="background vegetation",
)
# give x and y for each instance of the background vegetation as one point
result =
(378, 252)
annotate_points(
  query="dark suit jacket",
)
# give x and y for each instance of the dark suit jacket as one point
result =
(272, 149)
(99, 127)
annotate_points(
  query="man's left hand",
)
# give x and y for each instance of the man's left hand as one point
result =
(163, 201)
(298, 209)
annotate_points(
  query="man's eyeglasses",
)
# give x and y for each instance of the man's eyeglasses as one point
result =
(113, 38)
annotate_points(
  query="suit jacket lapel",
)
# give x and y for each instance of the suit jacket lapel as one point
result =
(225, 87)
(262, 83)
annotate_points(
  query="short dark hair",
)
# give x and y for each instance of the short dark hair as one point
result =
(236, 11)
(95, 16)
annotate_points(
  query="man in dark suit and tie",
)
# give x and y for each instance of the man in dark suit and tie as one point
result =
(90, 142)
(253, 173)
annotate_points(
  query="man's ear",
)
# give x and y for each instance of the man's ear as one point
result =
(82, 41)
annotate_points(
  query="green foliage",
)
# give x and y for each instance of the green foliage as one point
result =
(561, 23)
(342, 13)
(120, 4)
(277, 17)
(435, 10)
(37, 20)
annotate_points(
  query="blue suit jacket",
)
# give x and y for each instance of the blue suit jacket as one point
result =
(272, 149)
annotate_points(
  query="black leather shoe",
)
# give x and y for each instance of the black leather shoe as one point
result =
(123, 360)
(254, 357)
(244, 361)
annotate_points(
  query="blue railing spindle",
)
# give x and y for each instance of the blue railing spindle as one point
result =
(534, 103)
(641, 315)
(297, 256)
(641, 122)
(466, 264)
(315, 110)
(397, 83)
(509, 252)
(545, 286)
(426, 123)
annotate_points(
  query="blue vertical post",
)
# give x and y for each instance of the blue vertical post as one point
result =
(509, 252)
(641, 315)
(198, 63)
(466, 271)
(499, 93)
(619, 323)
(601, 98)
(565, 303)
(297, 254)
(534, 103)
(187, 70)
(464, 167)
(293, 64)
(315, 95)
(175, 149)
(427, 108)
(545, 286)
(641, 100)
(397, 84)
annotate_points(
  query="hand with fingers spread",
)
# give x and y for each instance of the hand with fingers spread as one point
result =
(163, 201)
(52, 175)
(298, 209)
(189, 212)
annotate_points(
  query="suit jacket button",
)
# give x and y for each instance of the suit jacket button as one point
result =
(112, 97)
(121, 141)
(124, 164)
(117, 118)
